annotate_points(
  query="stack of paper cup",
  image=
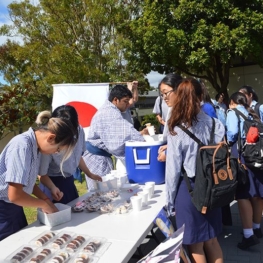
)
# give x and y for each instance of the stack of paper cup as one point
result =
(151, 185)
(136, 202)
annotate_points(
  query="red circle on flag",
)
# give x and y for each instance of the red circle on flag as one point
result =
(85, 112)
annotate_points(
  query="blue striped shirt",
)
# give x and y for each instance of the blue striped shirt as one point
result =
(50, 164)
(232, 124)
(19, 162)
(182, 150)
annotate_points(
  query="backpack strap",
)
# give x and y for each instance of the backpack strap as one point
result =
(190, 134)
(256, 109)
(238, 114)
(200, 144)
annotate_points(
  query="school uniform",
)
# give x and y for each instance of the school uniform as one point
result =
(107, 135)
(50, 165)
(254, 188)
(182, 151)
(19, 163)
(253, 104)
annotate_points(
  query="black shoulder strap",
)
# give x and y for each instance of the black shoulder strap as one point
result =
(160, 106)
(212, 133)
(256, 109)
(238, 114)
(190, 189)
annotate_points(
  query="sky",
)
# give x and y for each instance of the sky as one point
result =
(153, 77)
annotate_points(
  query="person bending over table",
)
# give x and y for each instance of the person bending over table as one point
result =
(19, 163)
(58, 184)
(108, 133)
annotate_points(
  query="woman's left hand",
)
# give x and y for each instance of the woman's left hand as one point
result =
(161, 157)
(56, 194)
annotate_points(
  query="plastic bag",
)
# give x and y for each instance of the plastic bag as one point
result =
(169, 251)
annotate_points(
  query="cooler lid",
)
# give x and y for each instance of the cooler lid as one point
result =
(149, 141)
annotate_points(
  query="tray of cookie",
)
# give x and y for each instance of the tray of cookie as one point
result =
(96, 246)
(95, 201)
(77, 243)
(61, 240)
(21, 255)
(60, 257)
(83, 257)
(43, 239)
(41, 255)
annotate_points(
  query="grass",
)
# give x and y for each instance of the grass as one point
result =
(31, 212)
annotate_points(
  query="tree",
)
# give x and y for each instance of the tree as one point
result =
(64, 41)
(199, 38)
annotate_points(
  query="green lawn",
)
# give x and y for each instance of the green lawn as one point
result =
(31, 213)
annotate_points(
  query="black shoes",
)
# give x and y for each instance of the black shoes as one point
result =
(258, 232)
(248, 242)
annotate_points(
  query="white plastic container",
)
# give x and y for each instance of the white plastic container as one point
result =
(108, 183)
(63, 216)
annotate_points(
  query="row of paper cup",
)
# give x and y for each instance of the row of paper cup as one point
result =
(113, 180)
(141, 199)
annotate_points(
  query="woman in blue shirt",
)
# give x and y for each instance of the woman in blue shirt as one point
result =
(248, 196)
(19, 162)
(201, 231)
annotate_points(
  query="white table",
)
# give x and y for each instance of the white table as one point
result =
(125, 232)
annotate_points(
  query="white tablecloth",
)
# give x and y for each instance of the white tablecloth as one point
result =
(125, 232)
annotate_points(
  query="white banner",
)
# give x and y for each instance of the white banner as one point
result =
(86, 98)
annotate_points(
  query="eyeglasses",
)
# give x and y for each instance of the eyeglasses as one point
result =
(166, 94)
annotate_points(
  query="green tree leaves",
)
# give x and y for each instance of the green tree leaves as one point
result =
(199, 38)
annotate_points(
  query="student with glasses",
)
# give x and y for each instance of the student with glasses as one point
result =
(167, 88)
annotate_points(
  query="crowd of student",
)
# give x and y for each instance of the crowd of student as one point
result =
(190, 105)
(56, 146)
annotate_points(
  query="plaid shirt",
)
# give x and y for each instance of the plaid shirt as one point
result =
(109, 131)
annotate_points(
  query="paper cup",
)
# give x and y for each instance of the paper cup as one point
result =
(144, 196)
(148, 124)
(136, 202)
(151, 130)
(151, 186)
(148, 190)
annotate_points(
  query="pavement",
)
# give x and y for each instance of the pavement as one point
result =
(228, 240)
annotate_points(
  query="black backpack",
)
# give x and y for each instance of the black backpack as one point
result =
(216, 174)
(256, 109)
(252, 148)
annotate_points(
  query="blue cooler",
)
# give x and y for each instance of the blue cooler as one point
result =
(142, 164)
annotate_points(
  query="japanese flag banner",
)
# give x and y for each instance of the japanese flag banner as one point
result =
(86, 98)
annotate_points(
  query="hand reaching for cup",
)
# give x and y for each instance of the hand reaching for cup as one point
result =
(162, 153)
